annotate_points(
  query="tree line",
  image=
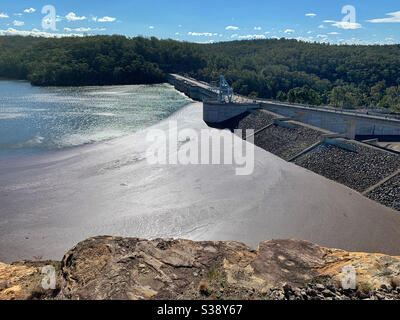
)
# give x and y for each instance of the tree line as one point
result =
(347, 76)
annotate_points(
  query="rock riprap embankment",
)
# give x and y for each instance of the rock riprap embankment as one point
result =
(287, 142)
(129, 268)
(358, 170)
(256, 121)
(388, 193)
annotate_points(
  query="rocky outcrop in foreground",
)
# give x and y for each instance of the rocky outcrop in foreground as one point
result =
(128, 268)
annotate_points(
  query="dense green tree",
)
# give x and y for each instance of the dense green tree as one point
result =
(377, 92)
(391, 99)
(287, 70)
(304, 95)
(281, 96)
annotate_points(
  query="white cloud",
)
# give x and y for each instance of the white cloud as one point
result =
(202, 34)
(333, 33)
(323, 38)
(207, 42)
(289, 31)
(312, 15)
(18, 23)
(30, 10)
(83, 29)
(357, 42)
(344, 24)
(253, 36)
(36, 33)
(107, 19)
(48, 19)
(394, 17)
(151, 27)
(3, 15)
(257, 28)
(309, 39)
(309, 32)
(231, 28)
(321, 26)
(234, 36)
(73, 17)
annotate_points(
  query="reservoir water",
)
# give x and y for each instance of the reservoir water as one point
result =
(34, 119)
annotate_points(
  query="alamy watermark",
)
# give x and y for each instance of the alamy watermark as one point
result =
(49, 279)
(350, 18)
(49, 21)
(201, 147)
(349, 281)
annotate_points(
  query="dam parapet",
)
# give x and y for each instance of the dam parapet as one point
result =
(198, 91)
(215, 112)
(351, 124)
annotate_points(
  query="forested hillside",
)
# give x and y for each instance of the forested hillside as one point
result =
(101, 60)
(287, 70)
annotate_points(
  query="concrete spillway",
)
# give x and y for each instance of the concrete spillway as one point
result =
(364, 168)
(52, 201)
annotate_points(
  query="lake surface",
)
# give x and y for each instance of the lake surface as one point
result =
(35, 119)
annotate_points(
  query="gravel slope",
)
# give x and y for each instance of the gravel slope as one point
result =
(357, 170)
(285, 142)
(388, 193)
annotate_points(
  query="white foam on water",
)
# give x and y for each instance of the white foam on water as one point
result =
(82, 139)
(10, 115)
(35, 142)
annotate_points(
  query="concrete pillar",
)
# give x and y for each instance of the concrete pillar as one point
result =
(351, 129)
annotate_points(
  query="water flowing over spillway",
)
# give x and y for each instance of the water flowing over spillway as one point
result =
(51, 201)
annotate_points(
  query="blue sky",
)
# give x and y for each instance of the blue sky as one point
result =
(211, 21)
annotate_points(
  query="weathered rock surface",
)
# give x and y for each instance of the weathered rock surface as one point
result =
(129, 268)
(23, 280)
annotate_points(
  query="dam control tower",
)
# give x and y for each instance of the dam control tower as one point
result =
(225, 92)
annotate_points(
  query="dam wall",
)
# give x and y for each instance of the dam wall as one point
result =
(346, 123)
(214, 112)
(198, 92)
